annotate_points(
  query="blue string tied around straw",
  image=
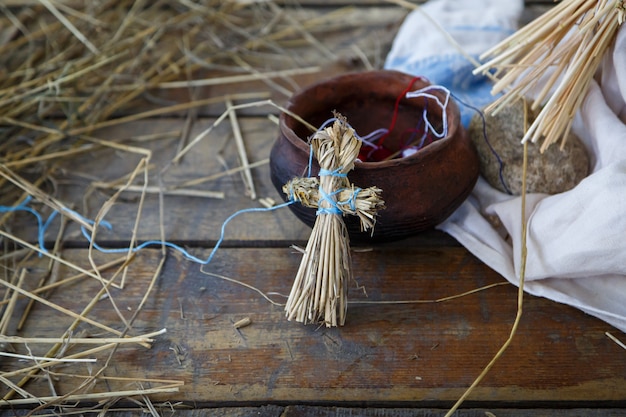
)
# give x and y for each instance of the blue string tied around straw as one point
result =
(330, 198)
(351, 201)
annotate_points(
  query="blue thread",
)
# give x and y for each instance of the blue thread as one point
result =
(373, 136)
(179, 248)
(333, 209)
(493, 151)
(291, 195)
(310, 160)
(40, 224)
(326, 123)
(42, 227)
(46, 225)
(335, 173)
(351, 201)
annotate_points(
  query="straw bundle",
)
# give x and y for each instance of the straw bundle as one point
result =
(319, 292)
(70, 70)
(555, 57)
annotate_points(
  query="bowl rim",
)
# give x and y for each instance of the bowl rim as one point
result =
(452, 112)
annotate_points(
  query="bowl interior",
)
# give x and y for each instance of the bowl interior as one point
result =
(368, 101)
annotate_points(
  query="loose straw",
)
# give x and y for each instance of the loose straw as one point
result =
(226, 113)
(94, 396)
(522, 277)
(555, 57)
(73, 278)
(51, 7)
(147, 338)
(70, 73)
(45, 359)
(234, 78)
(58, 307)
(616, 340)
(241, 149)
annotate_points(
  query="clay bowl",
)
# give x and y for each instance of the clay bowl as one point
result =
(421, 190)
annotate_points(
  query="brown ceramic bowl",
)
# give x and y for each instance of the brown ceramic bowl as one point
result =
(421, 190)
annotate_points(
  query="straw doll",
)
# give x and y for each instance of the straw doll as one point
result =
(319, 292)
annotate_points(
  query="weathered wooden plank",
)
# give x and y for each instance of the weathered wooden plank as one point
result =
(313, 411)
(310, 411)
(168, 409)
(304, 411)
(347, 38)
(356, 38)
(403, 354)
(195, 221)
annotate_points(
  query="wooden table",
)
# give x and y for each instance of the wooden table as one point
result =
(390, 359)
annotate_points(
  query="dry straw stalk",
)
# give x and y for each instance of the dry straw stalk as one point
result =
(554, 58)
(319, 292)
(71, 73)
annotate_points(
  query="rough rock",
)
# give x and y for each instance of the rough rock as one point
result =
(556, 170)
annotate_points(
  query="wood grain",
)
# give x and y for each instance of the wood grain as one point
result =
(313, 411)
(407, 354)
(391, 359)
(195, 221)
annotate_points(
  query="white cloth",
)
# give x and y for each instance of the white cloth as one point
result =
(577, 239)
(422, 48)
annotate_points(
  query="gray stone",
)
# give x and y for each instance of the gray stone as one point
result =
(554, 171)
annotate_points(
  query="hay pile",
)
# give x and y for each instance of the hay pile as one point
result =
(70, 68)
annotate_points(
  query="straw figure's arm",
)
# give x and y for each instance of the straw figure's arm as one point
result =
(362, 202)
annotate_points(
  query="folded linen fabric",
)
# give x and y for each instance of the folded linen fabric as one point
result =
(576, 239)
(423, 45)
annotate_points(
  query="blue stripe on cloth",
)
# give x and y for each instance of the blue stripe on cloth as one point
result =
(455, 72)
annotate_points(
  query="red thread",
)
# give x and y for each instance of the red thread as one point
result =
(378, 152)
(396, 107)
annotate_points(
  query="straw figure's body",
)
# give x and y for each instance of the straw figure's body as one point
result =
(319, 292)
